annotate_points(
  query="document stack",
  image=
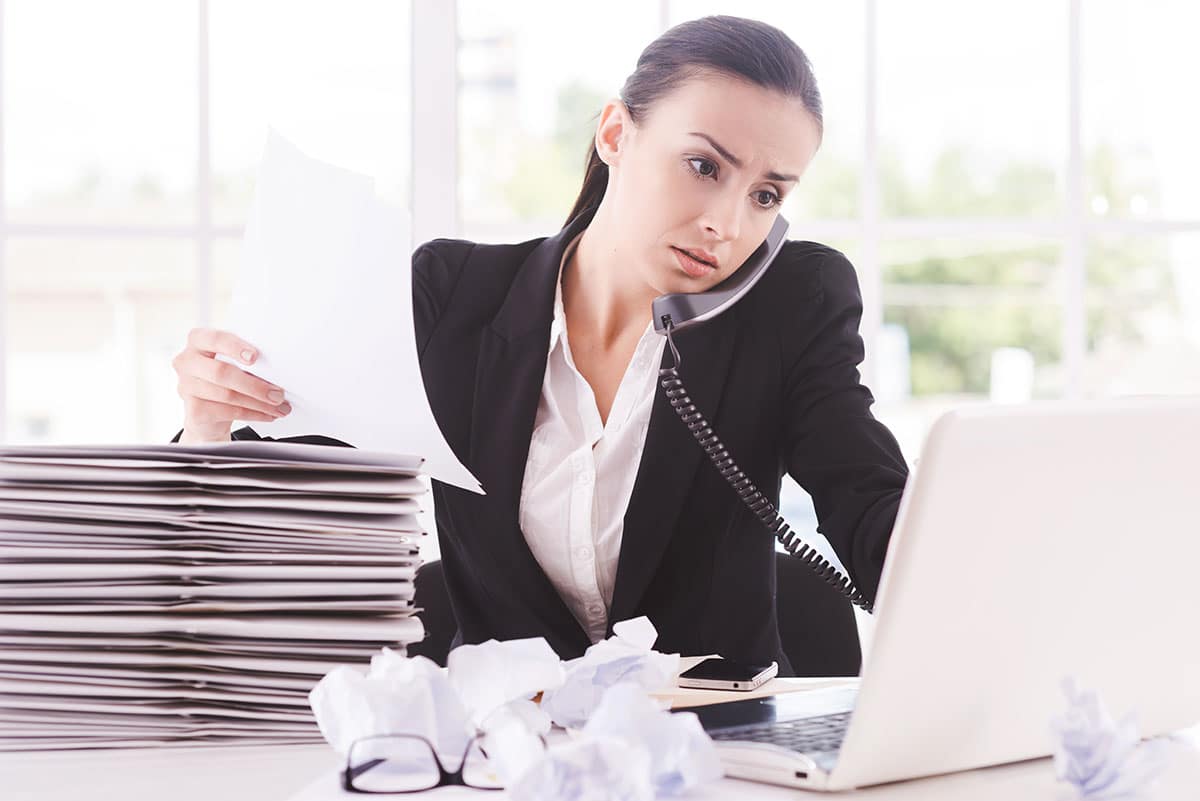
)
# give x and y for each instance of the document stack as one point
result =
(158, 595)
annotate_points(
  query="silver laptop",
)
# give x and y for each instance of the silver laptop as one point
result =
(1033, 542)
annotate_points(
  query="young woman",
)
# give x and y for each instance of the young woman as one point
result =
(541, 364)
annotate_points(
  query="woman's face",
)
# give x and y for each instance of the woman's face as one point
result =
(703, 172)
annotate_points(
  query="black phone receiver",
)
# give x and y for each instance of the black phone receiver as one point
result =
(684, 309)
(680, 310)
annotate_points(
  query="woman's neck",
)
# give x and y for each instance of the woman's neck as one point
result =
(602, 294)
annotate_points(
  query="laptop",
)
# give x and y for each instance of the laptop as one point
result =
(1032, 543)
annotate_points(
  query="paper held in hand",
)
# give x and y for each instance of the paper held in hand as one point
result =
(324, 291)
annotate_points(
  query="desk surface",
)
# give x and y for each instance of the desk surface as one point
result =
(309, 773)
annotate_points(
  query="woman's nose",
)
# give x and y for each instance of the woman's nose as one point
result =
(724, 219)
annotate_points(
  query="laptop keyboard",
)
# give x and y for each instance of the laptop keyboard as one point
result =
(822, 734)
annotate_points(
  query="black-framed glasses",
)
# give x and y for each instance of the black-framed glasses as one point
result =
(408, 763)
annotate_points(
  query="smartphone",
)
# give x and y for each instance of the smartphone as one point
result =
(726, 674)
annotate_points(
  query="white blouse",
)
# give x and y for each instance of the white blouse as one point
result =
(580, 472)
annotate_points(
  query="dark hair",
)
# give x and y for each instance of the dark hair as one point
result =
(741, 48)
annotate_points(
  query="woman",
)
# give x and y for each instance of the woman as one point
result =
(541, 364)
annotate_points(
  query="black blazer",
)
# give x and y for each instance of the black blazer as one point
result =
(777, 378)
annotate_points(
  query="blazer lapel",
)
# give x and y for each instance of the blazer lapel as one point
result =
(508, 383)
(669, 460)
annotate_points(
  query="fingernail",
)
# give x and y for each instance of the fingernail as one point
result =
(247, 356)
(285, 407)
(275, 396)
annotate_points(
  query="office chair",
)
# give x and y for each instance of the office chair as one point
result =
(816, 624)
(433, 607)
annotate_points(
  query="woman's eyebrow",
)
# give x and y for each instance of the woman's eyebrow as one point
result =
(734, 160)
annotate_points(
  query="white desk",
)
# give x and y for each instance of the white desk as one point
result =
(309, 773)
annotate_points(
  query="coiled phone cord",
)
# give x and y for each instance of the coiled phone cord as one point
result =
(762, 508)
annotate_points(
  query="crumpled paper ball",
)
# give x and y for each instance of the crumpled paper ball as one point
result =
(627, 656)
(1102, 759)
(682, 755)
(494, 674)
(587, 769)
(496, 681)
(398, 695)
(515, 740)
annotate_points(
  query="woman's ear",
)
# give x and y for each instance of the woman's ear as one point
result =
(612, 131)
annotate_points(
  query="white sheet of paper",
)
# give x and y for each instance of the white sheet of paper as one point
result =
(197, 557)
(220, 607)
(161, 650)
(248, 712)
(152, 499)
(230, 545)
(143, 694)
(235, 455)
(264, 590)
(250, 627)
(268, 518)
(243, 534)
(325, 294)
(152, 573)
(61, 476)
(178, 665)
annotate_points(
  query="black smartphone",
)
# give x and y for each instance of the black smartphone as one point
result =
(727, 674)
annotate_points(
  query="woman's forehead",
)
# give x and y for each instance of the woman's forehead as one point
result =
(752, 123)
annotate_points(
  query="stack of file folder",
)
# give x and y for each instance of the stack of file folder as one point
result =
(155, 595)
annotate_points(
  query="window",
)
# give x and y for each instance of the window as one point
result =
(529, 98)
(1138, 124)
(99, 119)
(128, 167)
(1143, 315)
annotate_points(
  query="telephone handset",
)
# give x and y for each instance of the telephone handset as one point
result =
(683, 310)
(678, 311)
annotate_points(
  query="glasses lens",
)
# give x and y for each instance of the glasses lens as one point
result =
(477, 770)
(392, 765)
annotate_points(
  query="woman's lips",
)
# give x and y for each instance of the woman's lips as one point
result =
(694, 268)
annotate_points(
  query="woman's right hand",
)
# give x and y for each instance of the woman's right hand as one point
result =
(216, 393)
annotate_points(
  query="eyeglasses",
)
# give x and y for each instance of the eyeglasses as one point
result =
(408, 763)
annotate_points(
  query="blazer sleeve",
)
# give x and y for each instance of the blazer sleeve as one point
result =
(433, 281)
(844, 458)
(436, 268)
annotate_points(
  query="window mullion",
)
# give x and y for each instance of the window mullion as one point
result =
(1074, 329)
(434, 77)
(204, 236)
(3, 251)
(869, 269)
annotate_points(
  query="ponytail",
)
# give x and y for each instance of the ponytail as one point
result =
(595, 181)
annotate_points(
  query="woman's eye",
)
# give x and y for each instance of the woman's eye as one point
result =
(766, 199)
(706, 168)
